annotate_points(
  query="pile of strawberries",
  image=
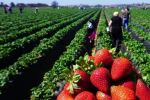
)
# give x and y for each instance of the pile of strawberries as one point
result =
(110, 79)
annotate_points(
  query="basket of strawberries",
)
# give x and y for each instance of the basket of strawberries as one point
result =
(102, 77)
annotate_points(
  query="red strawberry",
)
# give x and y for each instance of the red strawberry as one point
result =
(100, 78)
(102, 96)
(127, 83)
(122, 93)
(79, 82)
(85, 95)
(66, 88)
(142, 91)
(71, 90)
(84, 82)
(103, 56)
(121, 68)
(84, 76)
(64, 96)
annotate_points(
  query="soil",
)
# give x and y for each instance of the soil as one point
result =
(146, 43)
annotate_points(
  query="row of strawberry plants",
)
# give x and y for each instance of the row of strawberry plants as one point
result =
(140, 57)
(140, 32)
(38, 52)
(17, 21)
(141, 27)
(14, 20)
(16, 44)
(20, 27)
(27, 24)
(140, 17)
(5, 29)
(27, 31)
(61, 21)
(10, 35)
(11, 48)
(46, 90)
(103, 39)
(8, 22)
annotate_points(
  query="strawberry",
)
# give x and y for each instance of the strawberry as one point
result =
(121, 68)
(66, 89)
(142, 91)
(84, 76)
(85, 95)
(84, 81)
(70, 89)
(122, 93)
(100, 78)
(103, 56)
(102, 96)
(64, 96)
(79, 82)
(127, 83)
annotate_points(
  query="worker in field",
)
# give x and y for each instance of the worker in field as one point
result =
(115, 25)
(20, 9)
(90, 36)
(128, 15)
(10, 9)
(5, 9)
(36, 10)
(125, 18)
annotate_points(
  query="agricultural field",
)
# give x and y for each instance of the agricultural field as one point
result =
(38, 50)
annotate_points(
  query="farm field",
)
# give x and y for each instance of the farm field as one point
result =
(37, 50)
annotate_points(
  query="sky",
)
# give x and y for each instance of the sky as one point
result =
(74, 2)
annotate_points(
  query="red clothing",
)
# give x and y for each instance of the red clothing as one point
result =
(92, 36)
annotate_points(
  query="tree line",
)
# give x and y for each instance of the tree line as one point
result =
(54, 4)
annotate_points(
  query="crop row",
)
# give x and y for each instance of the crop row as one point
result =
(28, 16)
(140, 32)
(37, 21)
(140, 17)
(27, 31)
(139, 56)
(103, 38)
(11, 26)
(10, 49)
(20, 27)
(8, 22)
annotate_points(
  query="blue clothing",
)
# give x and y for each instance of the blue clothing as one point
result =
(125, 23)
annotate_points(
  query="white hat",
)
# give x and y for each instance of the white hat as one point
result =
(90, 25)
(115, 13)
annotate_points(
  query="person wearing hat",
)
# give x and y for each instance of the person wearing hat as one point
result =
(90, 36)
(116, 31)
